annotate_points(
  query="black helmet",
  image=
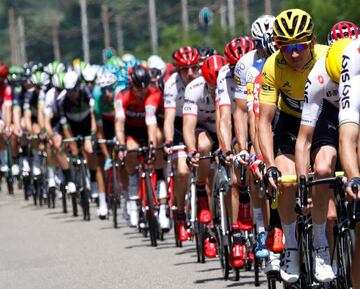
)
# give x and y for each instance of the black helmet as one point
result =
(205, 52)
(139, 76)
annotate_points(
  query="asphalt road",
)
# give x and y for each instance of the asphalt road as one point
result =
(43, 248)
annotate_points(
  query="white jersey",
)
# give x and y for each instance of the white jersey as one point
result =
(318, 88)
(51, 102)
(350, 108)
(174, 93)
(349, 96)
(199, 102)
(226, 88)
(241, 69)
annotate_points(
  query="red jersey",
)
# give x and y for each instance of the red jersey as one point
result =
(5, 94)
(135, 112)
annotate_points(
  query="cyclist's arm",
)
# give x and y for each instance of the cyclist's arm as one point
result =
(27, 119)
(189, 125)
(241, 123)
(40, 116)
(100, 135)
(151, 123)
(302, 149)
(348, 142)
(170, 111)
(7, 114)
(265, 132)
(225, 126)
(47, 125)
(120, 118)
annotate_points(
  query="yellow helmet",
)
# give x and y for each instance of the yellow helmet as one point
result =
(293, 26)
(334, 58)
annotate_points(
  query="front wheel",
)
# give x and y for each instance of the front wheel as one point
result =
(85, 204)
(10, 185)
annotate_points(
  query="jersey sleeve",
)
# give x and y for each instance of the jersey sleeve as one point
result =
(190, 103)
(97, 109)
(350, 107)
(120, 106)
(240, 78)
(49, 102)
(170, 93)
(8, 96)
(312, 102)
(269, 91)
(27, 99)
(222, 95)
(151, 105)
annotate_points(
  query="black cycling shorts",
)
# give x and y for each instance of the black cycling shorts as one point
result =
(109, 128)
(286, 128)
(138, 134)
(326, 130)
(82, 128)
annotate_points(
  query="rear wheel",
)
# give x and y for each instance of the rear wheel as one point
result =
(64, 201)
(10, 184)
(85, 204)
(52, 197)
(150, 214)
(200, 235)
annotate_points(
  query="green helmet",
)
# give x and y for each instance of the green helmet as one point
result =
(58, 80)
(15, 73)
(40, 78)
(54, 67)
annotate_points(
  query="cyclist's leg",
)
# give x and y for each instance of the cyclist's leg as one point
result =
(4, 166)
(35, 153)
(130, 165)
(324, 166)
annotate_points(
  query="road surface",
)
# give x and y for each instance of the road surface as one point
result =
(43, 248)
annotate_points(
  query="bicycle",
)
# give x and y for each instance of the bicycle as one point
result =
(39, 180)
(8, 161)
(221, 185)
(170, 174)
(147, 189)
(78, 163)
(112, 180)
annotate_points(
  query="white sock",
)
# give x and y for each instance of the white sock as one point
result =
(102, 199)
(319, 235)
(258, 220)
(133, 182)
(289, 234)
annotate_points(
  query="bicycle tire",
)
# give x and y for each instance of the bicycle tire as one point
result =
(74, 204)
(115, 196)
(346, 252)
(52, 197)
(35, 192)
(114, 206)
(152, 222)
(85, 204)
(271, 282)
(200, 239)
(10, 185)
(63, 199)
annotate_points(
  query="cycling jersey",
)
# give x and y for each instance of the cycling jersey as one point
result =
(348, 93)
(318, 89)
(18, 92)
(241, 68)
(103, 109)
(284, 87)
(251, 75)
(5, 94)
(76, 111)
(174, 92)
(226, 89)
(51, 103)
(137, 113)
(199, 102)
(32, 98)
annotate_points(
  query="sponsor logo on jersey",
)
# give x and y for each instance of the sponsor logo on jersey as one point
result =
(321, 79)
(345, 76)
(306, 93)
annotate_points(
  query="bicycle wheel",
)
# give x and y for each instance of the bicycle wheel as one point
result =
(10, 184)
(63, 198)
(345, 252)
(85, 204)
(200, 236)
(35, 192)
(150, 213)
(52, 197)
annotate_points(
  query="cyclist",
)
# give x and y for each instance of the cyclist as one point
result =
(226, 93)
(318, 138)
(199, 131)
(205, 52)
(136, 124)
(283, 82)
(5, 113)
(349, 132)
(105, 114)
(186, 60)
(75, 107)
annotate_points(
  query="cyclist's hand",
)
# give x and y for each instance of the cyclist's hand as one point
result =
(107, 164)
(18, 132)
(122, 152)
(7, 132)
(273, 174)
(229, 158)
(28, 135)
(167, 147)
(42, 134)
(193, 159)
(353, 188)
(241, 158)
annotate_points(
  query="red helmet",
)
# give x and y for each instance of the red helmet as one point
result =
(185, 56)
(237, 47)
(341, 30)
(211, 67)
(4, 70)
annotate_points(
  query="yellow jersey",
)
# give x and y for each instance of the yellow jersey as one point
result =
(285, 87)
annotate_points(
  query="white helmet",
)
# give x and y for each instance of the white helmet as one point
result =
(106, 79)
(71, 79)
(264, 24)
(127, 57)
(155, 61)
(89, 73)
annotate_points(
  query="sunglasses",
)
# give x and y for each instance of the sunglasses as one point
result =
(300, 47)
(187, 68)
